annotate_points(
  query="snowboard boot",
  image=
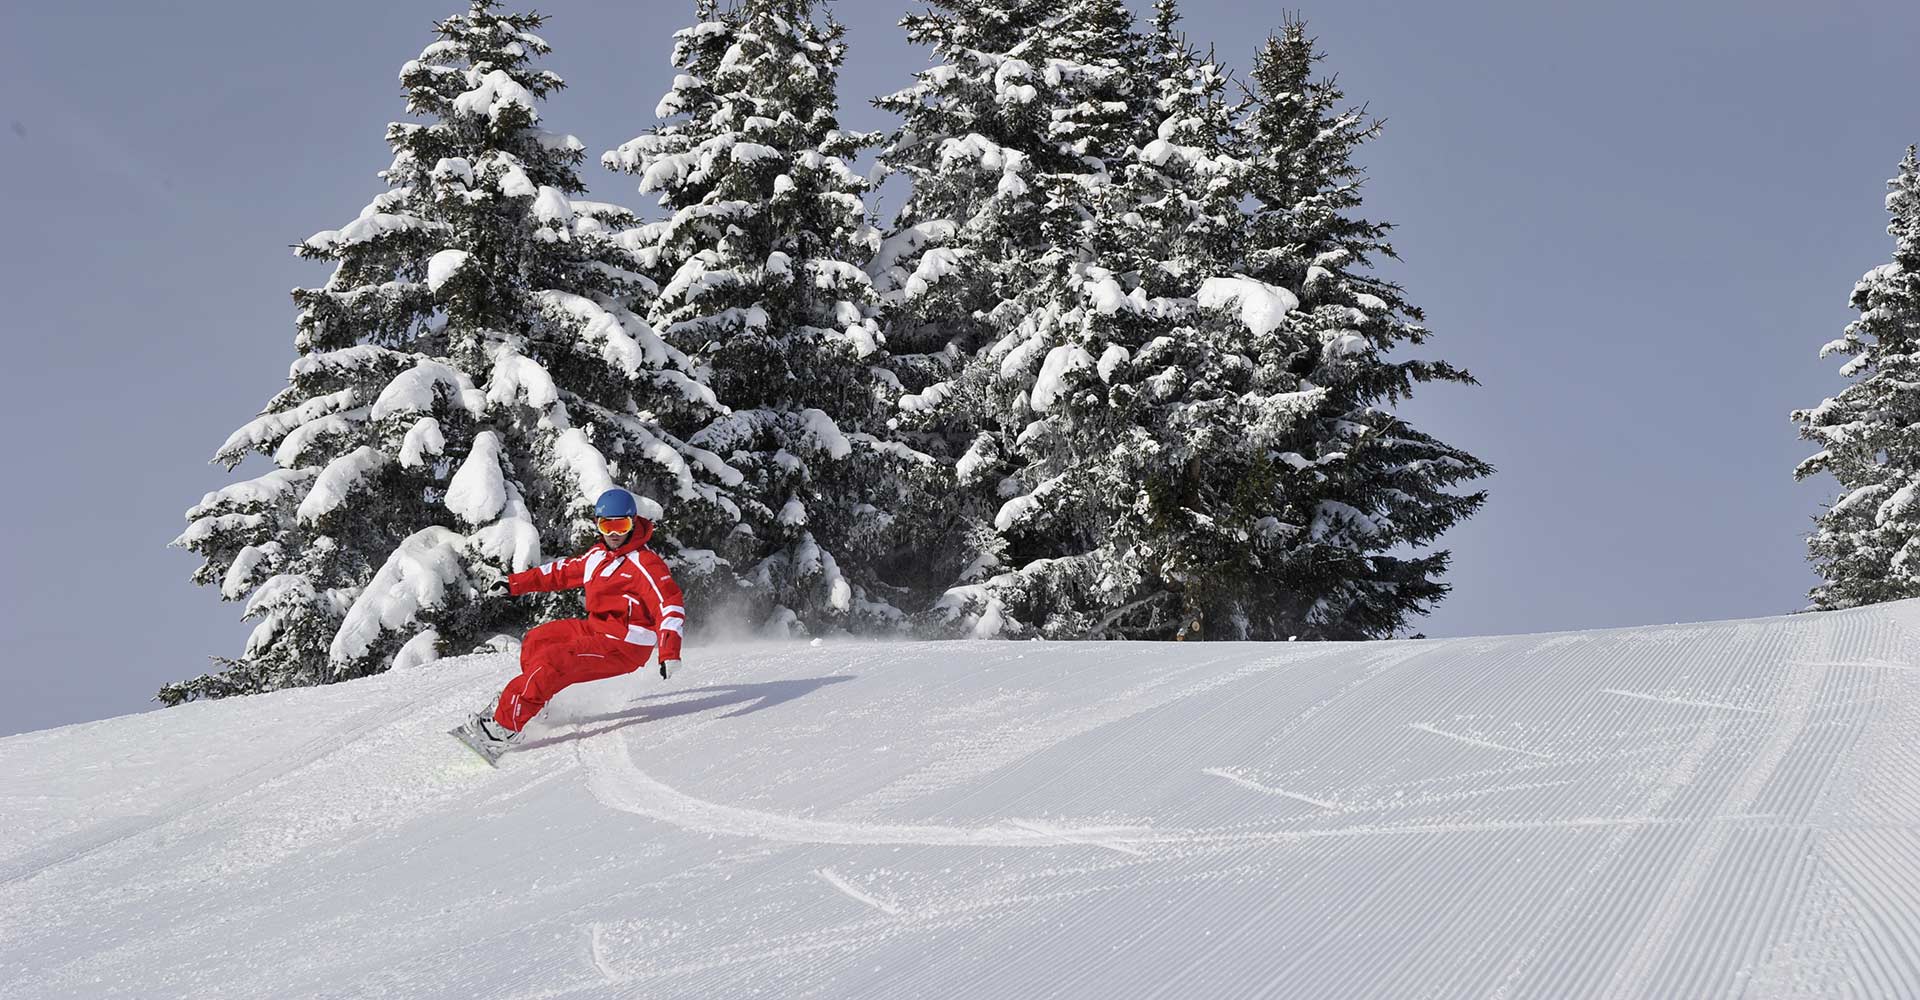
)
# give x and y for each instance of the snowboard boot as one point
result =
(486, 737)
(493, 732)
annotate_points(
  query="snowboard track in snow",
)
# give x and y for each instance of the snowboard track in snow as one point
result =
(618, 783)
(856, 893)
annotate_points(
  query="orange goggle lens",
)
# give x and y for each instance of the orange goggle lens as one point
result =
(615, 525)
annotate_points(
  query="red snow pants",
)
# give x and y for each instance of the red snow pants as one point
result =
(557, 654)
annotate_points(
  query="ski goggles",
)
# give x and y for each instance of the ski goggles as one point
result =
(614, 525)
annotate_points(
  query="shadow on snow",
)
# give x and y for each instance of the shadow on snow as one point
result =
(749, 698)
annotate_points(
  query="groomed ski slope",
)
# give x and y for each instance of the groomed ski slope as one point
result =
(1712, 810)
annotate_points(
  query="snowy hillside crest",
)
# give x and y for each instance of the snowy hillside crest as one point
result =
(1687, 810)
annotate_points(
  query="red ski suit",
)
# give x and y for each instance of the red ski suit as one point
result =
(633, 606)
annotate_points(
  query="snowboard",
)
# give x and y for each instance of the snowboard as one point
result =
(487, 750)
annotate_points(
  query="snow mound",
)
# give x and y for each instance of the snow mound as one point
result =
(1698, 810)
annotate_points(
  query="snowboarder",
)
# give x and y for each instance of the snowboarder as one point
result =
(633, 608)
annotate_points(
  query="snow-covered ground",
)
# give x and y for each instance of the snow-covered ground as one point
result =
(1725, 809)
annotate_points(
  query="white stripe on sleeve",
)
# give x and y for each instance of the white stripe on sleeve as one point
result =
(642, 636)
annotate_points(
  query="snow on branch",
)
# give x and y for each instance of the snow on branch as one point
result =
(416, 577)
(366, 228)
(442, 267)
(516, 376)
(265, 490)
(415, 390)
(822, 431)
(423, 440)
(270, 427)
(338, 479)
(293, 448)
(1263, 307)
(1061, 361)
(589, 468)
(494, 92)
(478, 492)
(926, 399)
(897, 449)
(628, 350)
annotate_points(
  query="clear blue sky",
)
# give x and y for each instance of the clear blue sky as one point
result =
(1636, 223)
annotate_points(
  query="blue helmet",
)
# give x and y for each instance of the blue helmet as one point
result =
(616, 502)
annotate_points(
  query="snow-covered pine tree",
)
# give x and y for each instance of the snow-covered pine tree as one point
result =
(1355, 487)
(1153, 332)
(1009, 143)
(765, 236)
(976, 132)
(468, 380)
(1866, 545)
(1134, 498)
(1163, 412)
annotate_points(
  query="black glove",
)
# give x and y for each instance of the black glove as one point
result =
(499, 588)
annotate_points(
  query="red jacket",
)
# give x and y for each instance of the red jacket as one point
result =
(630, 592)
